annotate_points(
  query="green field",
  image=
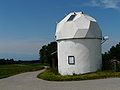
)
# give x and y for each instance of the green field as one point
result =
(52, 75)
(9, 70)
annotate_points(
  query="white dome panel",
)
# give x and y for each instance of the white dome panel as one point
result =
(82, 23)
(94, 31)
(77, 25)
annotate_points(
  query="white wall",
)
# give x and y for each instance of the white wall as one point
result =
(87, 53)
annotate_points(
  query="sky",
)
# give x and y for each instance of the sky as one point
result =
(27, 25)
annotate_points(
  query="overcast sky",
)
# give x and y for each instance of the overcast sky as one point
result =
(26, 25)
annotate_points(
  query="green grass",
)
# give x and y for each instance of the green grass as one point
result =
(9, 70)
(52, 75)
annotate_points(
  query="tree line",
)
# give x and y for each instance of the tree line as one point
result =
(6, 61)
(112, 55)
(12, 61)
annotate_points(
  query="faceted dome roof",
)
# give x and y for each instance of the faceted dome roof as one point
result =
(77, 25)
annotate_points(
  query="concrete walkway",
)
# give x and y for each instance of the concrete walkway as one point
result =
(28, 81)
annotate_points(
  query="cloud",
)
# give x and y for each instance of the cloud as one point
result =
(111, 3)
(21, 49)
(114, 4)
(92, 3)
(19, 46)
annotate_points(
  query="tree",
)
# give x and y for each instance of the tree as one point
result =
(113, 53)
(45, 52)
(6, 61)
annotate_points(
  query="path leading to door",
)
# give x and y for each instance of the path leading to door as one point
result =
(28, 81)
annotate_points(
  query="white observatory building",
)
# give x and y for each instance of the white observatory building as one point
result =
(78, 39)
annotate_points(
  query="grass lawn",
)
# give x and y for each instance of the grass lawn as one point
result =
(52, 75)
(9, 70)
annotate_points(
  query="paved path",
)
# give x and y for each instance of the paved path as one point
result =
(28, 81)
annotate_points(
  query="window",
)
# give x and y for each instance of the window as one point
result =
(71, 17)
(71, 60)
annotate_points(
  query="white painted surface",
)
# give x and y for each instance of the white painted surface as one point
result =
(80, 38)
(87, 56)
(82, 26)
